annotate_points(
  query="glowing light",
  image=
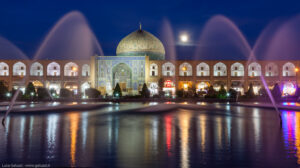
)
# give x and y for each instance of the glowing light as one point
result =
(8, 94)
(185, 86)
(296, 69)
(184, 68)
(184, 38)
(288, 89)
(74, 69)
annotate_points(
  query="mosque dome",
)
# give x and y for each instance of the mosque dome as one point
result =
(141, 43)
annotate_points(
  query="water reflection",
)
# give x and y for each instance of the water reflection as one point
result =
(184, 124)
(74, 118)
(233, 137)
(291, 132)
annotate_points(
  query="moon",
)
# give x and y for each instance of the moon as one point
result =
(184, 38)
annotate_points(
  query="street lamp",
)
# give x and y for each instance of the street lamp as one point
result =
(8, 94)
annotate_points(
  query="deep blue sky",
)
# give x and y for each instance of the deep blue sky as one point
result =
(26, 23)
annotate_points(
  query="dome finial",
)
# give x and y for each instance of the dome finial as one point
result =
(140, 26)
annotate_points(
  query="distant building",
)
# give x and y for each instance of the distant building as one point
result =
(141, 59)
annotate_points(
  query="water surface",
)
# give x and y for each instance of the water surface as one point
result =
(230, 137)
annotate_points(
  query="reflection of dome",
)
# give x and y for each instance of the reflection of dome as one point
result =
(140, 43)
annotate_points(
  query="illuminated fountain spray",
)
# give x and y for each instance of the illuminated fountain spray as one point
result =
(11, 51)
(221, 35)
(70, 38)
(170, 45)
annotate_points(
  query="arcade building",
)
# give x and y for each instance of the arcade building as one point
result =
(140, 58)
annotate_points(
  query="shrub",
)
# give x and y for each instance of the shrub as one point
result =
(161, 93)
(92, 93)
(65, 93)
(161, 84)
(30, 91)
(211, 93)
(232, 93)
(43, 94)
(276, 93)
(250, 92)
(117, 91)
(263, 93)
(180, 93)
(3, 90)
(222, 93)
(145, 91)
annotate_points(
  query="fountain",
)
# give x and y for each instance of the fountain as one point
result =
(11, 51)
(221, 32)
(70, 38)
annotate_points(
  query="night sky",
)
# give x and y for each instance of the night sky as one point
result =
(26, 23)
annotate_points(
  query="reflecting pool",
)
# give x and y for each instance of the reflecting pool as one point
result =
(226, 136)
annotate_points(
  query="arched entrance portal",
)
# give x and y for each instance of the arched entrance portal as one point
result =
(122, 74)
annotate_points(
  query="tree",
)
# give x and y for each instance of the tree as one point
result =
(250, 92)
(92, 93)
(211, 93)
(117, 91)
(65, 93)
(3, 90)
(222, 92)
(145, 91)
(43, 94)
(276, 93)
(30, 91)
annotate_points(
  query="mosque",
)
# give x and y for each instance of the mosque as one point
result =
(140, 58)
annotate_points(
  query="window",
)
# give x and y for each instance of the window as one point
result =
(184, 73)
(235, 74)
(38, 68)
(270, 68)
(5, 68)
(153, 67)
(287, 73)
(168, 68)
(202, 74)
(54, 68)
(168, 74)
(253, 74)
(55, 74)
(252, 68)
(219, 73)
(153, 73)
(236, 68)
(39, 74)
(5, 74)
(270, 74)
(202, 68)
(287, 68)
(86, 73)
(219, 68)
(22, 68)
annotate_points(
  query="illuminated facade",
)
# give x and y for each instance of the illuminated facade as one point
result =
(141, 59)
